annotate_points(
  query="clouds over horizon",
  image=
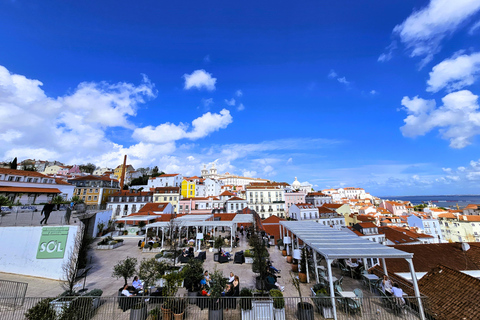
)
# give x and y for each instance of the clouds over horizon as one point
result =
(199, 79)
(73, 128)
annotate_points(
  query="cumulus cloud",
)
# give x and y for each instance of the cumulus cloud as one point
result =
(230, 102)
(241, 107)
(200, 128)
(455, 73)
(373, 92)
(239, 93)
(424, 30)
(474, 28)
(388, 54)
(333, 75)
(199, 79)
(458, 119)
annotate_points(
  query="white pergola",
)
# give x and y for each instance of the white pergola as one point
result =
(205, 221)
(138, 218)
(337, 244)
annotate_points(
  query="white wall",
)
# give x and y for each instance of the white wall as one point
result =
(102, 216)
(19, 251)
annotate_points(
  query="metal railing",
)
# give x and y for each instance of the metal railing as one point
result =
(199, 307)
(12, 293)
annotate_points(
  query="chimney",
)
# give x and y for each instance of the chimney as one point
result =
(122, 177)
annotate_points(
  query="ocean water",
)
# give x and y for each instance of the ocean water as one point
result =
(441, 201)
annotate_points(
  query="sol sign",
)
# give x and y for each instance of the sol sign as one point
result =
(52, 243)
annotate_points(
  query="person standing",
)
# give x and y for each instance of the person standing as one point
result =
(68, 213)
(47, 209)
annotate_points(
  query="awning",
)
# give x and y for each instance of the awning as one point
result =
(28, 190)
(137, 218)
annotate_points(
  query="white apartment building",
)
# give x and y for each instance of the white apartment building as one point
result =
(426, 224)
(212, 187)
(318, 198)
(303, 211)
(166, 180)
(31, 187)
(464, 228)
(348, 192)
(267, 198)
(126, 202)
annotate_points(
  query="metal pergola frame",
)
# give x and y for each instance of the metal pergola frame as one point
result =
(337, 244)
(204, 221)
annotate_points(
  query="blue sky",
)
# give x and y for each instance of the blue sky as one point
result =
(374, 94)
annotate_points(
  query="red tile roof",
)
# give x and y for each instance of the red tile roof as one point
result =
(21, 173)
(428, 256)
(29, 190)
(158, 206)
(60, 181)
(165, 175)
(227, 193)
(451, 294)
(367, 225)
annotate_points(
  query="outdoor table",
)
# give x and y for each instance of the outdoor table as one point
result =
(348, 294)
(369, 278)
(333, 278)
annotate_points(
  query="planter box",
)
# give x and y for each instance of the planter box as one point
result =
(279, 314)
(59, 304)
(248, 260)
(263, 309)
(248, 315)
(138, 314)
(155, 250)
(110, 246)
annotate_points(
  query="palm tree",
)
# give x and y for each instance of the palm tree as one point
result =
(4, 201)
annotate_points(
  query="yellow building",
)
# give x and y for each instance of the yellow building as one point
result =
(167, 194)
(118, 170)
(188, 187)
(94, 190)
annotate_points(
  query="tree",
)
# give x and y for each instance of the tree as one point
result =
(155, 172)
(77, 199)
(70, 266)
(150, 271)
(13, 164)
(4, 201)
(87, 168)
(140, 181)
(144, 171)
(125, 268)
(58, 200)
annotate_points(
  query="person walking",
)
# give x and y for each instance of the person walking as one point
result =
(47, 209)
(68, 213)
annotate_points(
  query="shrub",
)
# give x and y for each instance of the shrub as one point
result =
(159, 255)
(156, 245)
(248, 254)
(278, 300)
(41, 311)
(246, 303)
(113, 242)
(119, 240)
(95, 293)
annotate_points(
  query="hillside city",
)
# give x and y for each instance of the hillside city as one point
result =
(144, 203)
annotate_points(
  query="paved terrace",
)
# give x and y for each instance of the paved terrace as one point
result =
(102, 262)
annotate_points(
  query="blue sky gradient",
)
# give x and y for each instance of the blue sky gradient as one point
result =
(318, 89)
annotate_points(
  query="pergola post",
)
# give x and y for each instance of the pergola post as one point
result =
(163, 236)
(415, 288)
(332, 290)
(315, 263)
(231, 237)
(384, 267)
(306, 264)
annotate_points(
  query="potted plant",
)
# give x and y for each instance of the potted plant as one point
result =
(95, 294)
(302, 275)
(178, 309)
(172, 280)
(246, 304)
(217, 245)
(280, 245)
(120, 226)
(42, 310)
(304, 309)
(218, 283)
(139, 311)
(125, 269)
(192, 275)
(154, 314)
(260, 256)
(141, 225)
(278, 304)
(248, 256)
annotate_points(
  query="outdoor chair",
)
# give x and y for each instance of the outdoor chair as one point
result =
(202, 255)
(344, 270)
(351, 306)
(359, 293)
(222, 259)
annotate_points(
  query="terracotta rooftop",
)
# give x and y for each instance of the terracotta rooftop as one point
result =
(428, 256)
(154, 207)
(166, 175)
(21, 173)
(29, 190)
(132, 194)
(227, 193)
(451, 294)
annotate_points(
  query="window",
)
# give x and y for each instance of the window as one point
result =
(96, 190)
(156, 198)
(11, 178)
(95, 198)
(90, 190)
(29, 180)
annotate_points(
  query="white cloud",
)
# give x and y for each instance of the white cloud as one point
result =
(458, 119)
(230, 102)
(461, 169)
(68, 127)
(250, 174)
(474, 28)
(424, 30)
(332, 74)
(241, 107)
(201, 127)
(455, 73)
(206, 59)
(190, 158)
(289, 161)
(199, 79)
(386, 56)
(239, 93)
(373, 92)
(343, 80)
(447, 170)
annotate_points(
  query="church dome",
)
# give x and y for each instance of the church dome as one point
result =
(296, 184)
